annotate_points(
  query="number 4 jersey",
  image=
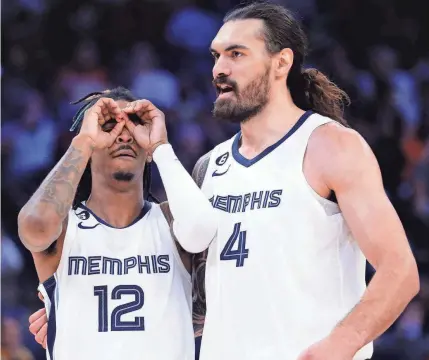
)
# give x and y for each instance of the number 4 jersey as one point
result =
(119, 293)
(283, 269)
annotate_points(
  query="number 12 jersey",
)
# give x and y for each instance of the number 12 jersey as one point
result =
(119, 293)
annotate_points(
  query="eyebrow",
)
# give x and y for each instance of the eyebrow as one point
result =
(231, 47)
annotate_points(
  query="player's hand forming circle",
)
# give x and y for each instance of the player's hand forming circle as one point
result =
(39, 326)
(96, 116)
(151, 132)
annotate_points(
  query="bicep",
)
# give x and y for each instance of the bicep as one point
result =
(356, 179)
(372, 220)
(46, 262)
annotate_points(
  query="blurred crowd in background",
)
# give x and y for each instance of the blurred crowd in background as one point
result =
(57, 51)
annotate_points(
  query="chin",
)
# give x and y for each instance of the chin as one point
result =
(123, 175)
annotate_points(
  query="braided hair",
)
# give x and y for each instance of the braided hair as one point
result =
(85, 184)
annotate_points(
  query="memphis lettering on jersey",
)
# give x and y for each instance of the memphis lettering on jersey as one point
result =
(241, 203)
(96, 265)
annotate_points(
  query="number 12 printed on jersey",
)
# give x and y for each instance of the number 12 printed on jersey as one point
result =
(116, 324)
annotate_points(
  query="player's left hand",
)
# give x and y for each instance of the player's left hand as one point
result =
(327, 349)
(151, 132)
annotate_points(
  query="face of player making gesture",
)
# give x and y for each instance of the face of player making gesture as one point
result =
(123, 135)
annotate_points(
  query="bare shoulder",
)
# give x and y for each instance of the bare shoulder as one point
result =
(340, 154)
(200, 169)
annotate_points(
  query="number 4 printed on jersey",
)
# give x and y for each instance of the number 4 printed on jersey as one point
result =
(241, 252)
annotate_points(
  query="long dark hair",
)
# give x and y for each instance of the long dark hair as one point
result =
(310, 89)
(85, 184)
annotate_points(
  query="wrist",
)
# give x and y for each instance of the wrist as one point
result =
(158, 145)
(83, 143)
(163, 152)
(348, 339)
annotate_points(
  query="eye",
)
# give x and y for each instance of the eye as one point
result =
(215, 56)
(108, 126)
(236, 54)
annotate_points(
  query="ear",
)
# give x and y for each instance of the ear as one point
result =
(284, 60)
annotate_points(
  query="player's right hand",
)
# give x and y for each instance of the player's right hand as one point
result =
(39, 326)
(96, 116)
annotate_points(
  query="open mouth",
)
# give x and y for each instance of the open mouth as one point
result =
(224, 89)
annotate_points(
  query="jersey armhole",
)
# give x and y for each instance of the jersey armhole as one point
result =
(69, 237)
(330, 207)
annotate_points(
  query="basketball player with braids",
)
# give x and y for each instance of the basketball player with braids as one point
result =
(114, 282)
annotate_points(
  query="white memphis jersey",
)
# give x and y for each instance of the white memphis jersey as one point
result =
(119, 293)
(284, 268)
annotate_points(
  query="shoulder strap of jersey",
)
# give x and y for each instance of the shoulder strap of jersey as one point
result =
(302, 136)
(69, 238)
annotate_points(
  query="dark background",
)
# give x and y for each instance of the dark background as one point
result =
(55, 51)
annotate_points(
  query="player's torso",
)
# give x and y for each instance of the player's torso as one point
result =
(274, 275)
(121, 293)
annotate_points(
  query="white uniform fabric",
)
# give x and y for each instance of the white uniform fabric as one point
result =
(284, 268)
(194, 226)
(119, 293)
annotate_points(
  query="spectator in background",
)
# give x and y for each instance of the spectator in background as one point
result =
(31, 143)
(12, 264)
(407, 340)
(150, 81)
(83, 75)
(11, 342)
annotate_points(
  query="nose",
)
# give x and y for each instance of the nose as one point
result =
(221, 68)
(125, 137)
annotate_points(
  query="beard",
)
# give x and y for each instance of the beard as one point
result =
(123, 176)
(244, 104)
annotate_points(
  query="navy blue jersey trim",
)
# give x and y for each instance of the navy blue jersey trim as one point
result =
(249, 162)
(50, 286)
(146, 207)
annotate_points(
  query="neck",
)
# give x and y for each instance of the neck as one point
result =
(114, 205)
(271, 124)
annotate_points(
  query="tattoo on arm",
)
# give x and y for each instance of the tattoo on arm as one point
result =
(199, 261)
(198, 291)
(200, 169)
(59, 188)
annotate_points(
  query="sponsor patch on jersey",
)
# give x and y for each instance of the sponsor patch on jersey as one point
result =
(222, 159)
(83, 215)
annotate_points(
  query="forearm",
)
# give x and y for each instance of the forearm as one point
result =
(42, 216)
(198, 291)
(194, 223)
(387, 295)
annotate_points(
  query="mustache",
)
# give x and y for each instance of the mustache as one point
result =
(225, 81)
(124, 147)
